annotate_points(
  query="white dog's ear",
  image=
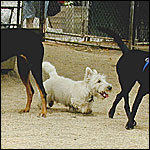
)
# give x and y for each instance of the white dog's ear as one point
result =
(94, 71)
(88, 73)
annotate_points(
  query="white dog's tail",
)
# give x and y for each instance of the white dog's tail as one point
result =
(49, 68)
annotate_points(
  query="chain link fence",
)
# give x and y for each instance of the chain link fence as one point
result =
(78, 20)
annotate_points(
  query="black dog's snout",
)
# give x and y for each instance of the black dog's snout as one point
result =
(109, 88)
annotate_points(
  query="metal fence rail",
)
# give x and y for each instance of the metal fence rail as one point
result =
(78, 20)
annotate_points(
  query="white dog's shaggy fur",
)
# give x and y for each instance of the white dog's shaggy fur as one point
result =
(78, 95)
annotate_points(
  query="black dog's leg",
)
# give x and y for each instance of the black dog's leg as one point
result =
(127, 85)
(36, 69)
(126, 106)
(131, 122)
(117, 100)
(126, 88)
(24, 70)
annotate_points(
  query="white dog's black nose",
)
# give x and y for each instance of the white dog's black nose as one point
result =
(109, 88)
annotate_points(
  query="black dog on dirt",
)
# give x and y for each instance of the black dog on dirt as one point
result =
(132, 66)
(28, 48)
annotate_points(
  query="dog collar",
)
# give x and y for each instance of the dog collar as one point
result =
(147, 62)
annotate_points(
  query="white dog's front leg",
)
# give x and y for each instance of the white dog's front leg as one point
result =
(75, 103)
(72, 109)
(81, 106)
(39, 101)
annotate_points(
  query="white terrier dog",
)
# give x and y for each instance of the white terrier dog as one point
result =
(78, 95)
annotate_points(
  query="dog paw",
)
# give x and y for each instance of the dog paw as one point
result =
(130, 125)
(23, 111)
(75, 106)
(42, 115)
(87, 112)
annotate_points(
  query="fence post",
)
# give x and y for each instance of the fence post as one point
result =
(131, 25)
(22, 15)
(18, 13)
(42, 18)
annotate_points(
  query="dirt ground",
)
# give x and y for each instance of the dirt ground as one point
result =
(62, 129)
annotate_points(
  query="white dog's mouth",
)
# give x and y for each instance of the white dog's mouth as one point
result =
(104, 94)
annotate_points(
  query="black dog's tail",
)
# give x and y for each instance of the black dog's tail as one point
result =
(117, 39)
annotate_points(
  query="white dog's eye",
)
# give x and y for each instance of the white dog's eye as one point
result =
(99, 81)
